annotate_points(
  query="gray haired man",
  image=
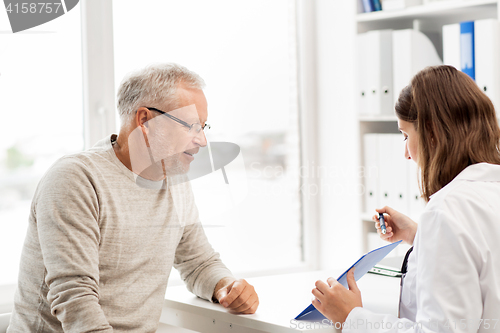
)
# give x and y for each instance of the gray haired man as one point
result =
(107, 224)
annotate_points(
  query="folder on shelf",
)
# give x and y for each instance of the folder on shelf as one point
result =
(400, 4)
(377, 5)
(412, 52)
(379, 71)
(467, 62)
(368, 6)
(393, 180)
(388, 179)
(417, 204)
(487, 58)
(363, 265)
(386, 173)
(362, 74)
(451, 45)
(371, 171)
(361, 7)
(399, 168)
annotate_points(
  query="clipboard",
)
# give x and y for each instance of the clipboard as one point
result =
(389, 267)
(363, 265)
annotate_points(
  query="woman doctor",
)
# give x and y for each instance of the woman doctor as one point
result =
(452, 282)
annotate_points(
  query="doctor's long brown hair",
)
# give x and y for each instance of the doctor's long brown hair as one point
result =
(455, 122)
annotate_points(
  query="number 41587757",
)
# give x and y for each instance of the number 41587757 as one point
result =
(32, 8)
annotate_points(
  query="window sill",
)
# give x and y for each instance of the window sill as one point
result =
(7, 292)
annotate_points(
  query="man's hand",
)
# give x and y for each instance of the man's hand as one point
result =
(236, 295)
(334, 301)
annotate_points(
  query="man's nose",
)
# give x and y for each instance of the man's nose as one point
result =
(200, 139)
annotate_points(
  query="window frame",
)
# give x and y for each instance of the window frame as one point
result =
(98, 70)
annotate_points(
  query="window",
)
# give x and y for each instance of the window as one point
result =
(42, 120)
(245, 51)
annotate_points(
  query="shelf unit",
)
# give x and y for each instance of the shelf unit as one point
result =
(429, 19)
(442, 10)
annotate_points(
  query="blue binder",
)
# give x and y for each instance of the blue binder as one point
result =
(368, 6)
(363, 265)
(377, 5)
(467, 52)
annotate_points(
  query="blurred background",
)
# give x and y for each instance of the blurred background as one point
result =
(250, 71)
(274, 87)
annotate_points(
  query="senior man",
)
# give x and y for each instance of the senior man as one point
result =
(107, 224)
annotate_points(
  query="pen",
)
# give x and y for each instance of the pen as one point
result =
(382, 222)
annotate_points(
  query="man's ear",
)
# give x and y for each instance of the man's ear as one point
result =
(142, 117)
(145, 130)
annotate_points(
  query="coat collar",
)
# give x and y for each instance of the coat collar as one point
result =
(481, 172)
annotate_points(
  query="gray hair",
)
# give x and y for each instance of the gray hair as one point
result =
(154, 86)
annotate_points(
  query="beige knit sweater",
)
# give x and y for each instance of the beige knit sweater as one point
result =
(99, 248)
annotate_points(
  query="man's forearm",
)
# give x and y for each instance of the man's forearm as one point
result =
(199, 265)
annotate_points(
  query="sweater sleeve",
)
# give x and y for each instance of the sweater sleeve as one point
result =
(199, 265)
(67, 213)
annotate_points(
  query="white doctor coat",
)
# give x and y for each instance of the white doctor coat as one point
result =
(453, 278)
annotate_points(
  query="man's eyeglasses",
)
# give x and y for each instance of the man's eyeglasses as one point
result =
(194, 129)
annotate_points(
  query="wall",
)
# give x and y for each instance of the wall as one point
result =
(340, 228)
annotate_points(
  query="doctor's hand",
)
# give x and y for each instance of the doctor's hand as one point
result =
(334, 301)
(398, 226)
(237, 295)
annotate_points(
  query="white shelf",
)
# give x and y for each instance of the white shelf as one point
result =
(367, 216)
(439, 9)
(428, 19)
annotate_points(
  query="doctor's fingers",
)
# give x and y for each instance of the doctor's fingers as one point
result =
(318, 294)
(388, 227)
(335, 289)
(386, 210)
(331, 281)
(388, 230)
(387, 219)
(322, 287)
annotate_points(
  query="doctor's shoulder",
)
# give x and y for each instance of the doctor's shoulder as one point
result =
(459, 207)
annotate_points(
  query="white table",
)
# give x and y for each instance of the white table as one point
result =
(282, 298)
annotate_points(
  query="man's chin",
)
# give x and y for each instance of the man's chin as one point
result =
(177, 168)
(177, 172)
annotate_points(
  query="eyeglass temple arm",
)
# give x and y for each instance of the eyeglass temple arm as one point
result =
(172, 117)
